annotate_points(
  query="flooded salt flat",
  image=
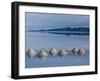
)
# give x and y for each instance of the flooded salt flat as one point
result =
(46, 41)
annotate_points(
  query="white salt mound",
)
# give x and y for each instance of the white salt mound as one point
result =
(53, 52)
(75, 50)
(42, 53)
(81, 51)
(62, 53)
(31, 53)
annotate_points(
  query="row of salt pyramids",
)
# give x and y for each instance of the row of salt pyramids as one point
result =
(31, 53)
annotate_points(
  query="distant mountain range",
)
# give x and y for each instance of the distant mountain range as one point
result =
(66, 31)
(78, 29)
(70, 29)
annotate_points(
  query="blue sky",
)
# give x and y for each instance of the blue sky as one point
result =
(38, 21)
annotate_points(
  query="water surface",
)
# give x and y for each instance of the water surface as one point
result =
(46, 40)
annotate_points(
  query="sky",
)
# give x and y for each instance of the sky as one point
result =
(38, 21)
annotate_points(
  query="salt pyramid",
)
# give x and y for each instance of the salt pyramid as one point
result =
(53, 52)
(81, 51)
(31, 53)
(42, 53)
(62, 53)
(75, 50)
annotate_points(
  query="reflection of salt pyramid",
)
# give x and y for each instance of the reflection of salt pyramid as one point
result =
(53, 51)
(81, 51)
(43, 58)
(42, 53)
(75, 50)
(62, 53)
(31, 53)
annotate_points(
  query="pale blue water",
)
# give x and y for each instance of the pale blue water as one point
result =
(44, 40)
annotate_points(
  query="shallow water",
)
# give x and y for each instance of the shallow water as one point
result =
(44, 40)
